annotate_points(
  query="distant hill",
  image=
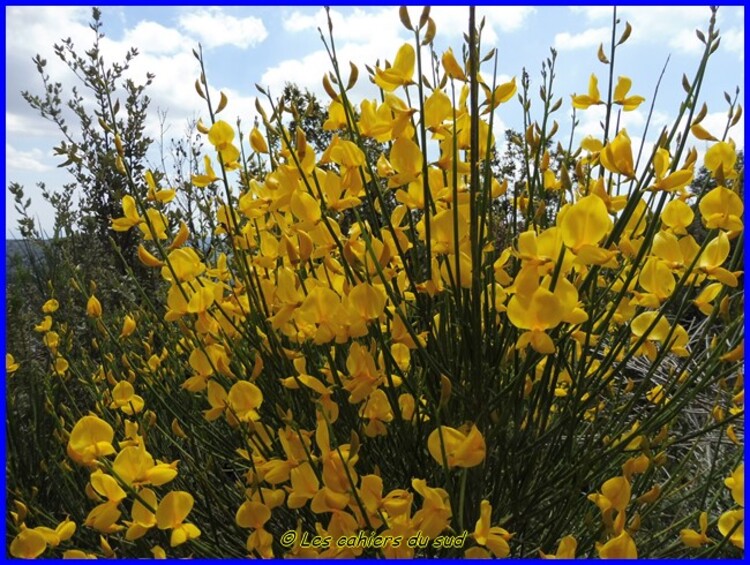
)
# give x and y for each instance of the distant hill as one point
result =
(19, 249)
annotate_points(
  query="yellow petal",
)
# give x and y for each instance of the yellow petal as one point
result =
(451, 66)
(28, 544)
(620, 547)
(617, 490)
(257, 141)
(701, 133)
(173, 509)
(400, 73)
(252, 515)
(305, 207)
(585, 223)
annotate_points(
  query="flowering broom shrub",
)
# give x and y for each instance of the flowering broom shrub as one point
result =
(396, 352)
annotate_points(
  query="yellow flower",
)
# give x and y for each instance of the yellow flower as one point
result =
(52, 341)
(221, 136)
(736, 483)
(619, 547)
(28, 544)
(617, 155)
(252, 514)
(130, 219)
(615, 495)
(94, 307)
(461, 449)
(493, 538)
(104, 516)
(669, 182)
(722, 208)
(585, 223)
(124, 398)
(657, 279)
(583, 101)
(44, 326)
(400, 73)
(261, 541)
(677, 216)
(406, 160)
(90, 439)
(535, 308)
(155, 193)
(367, 301)
(10, 364)
(136, 466)
(143, 518)
(640, 324)
(720, 159)
(128, 326)
(452, 67)
(656, 395)
(257, 141)
(617, 491)
(61, 365)
(202, 181)
(565, 550)
(244, 399)
(185, 263)
(158, 227)
(502, 93)
(377, 121)
(620, 95)
(305, 208)
(377, 410)
(336, 117)
(171, 514)
(704, 301)
(217, 398)
(435, 514)
(304, 485)
(691, 538)
(51, 306)
(732, 521)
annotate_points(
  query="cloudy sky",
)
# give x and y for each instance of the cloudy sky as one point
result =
(273, 45)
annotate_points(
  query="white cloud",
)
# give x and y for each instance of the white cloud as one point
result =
(215, 28)
(307, 72)
(297, 21)
(19, 124)
(367, 25)
(733, 40)
(32, 30)
(361, 36)
(506, 18)
(673, 25)
(716, 122)
(374, 27)
(686, 42)
(152, 37)
(453, 21)
(163, 51)
(25, 160)
(590, 38)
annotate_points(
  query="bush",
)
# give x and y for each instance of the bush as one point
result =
(382, 348)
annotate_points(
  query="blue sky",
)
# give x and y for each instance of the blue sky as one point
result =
(273, 45)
